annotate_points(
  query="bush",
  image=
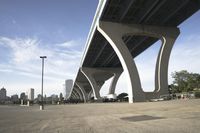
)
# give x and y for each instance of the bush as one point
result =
(197, 94)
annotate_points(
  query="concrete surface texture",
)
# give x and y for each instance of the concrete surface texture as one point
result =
(177, 116)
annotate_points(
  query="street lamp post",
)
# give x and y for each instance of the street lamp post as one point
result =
(42, 104)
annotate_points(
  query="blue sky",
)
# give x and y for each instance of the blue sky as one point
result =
(58, 29)
(32, 28)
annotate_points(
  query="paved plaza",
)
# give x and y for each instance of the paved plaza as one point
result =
(177, 116)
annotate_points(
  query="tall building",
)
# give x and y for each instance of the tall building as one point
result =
(60, 97)
(55, 99)
(22, 96)
(39, 97)
(3, 94)
(15, 98)
(30, 94)
(67, 88)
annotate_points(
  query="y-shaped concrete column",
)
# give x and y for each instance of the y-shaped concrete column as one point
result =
(113, 32)
(81, 87)
(95, 86)
(80, 96)
(97, 77)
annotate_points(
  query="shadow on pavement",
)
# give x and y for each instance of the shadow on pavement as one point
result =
(141, 118)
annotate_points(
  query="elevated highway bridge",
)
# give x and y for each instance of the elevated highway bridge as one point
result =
(121, 30)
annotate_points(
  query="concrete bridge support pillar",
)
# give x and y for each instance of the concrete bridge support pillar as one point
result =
(161, 71)
(97, 77)
(114, 82)
(113, 33)
(71, 96)
(80, 96)
(81, 87)
(75, 95)
(89, 74)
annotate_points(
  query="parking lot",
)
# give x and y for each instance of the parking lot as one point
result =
(178, 116)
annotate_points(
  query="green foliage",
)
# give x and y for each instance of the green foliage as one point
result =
(197, 94)
(122, 95)
(185, 81)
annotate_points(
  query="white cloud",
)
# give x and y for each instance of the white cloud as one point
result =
(23, 50)
(70, 44)
(5, 70)
(25, 62)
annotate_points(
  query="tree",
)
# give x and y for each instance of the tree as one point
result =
(122, 97)
(185, 81)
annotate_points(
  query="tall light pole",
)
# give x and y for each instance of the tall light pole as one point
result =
(42, 104)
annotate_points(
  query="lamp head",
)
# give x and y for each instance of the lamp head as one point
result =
(43, 56)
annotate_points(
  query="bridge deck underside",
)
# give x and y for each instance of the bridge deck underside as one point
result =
(149, 12)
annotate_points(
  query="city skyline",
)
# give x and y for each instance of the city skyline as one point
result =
(29, 95)
(59, 31)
